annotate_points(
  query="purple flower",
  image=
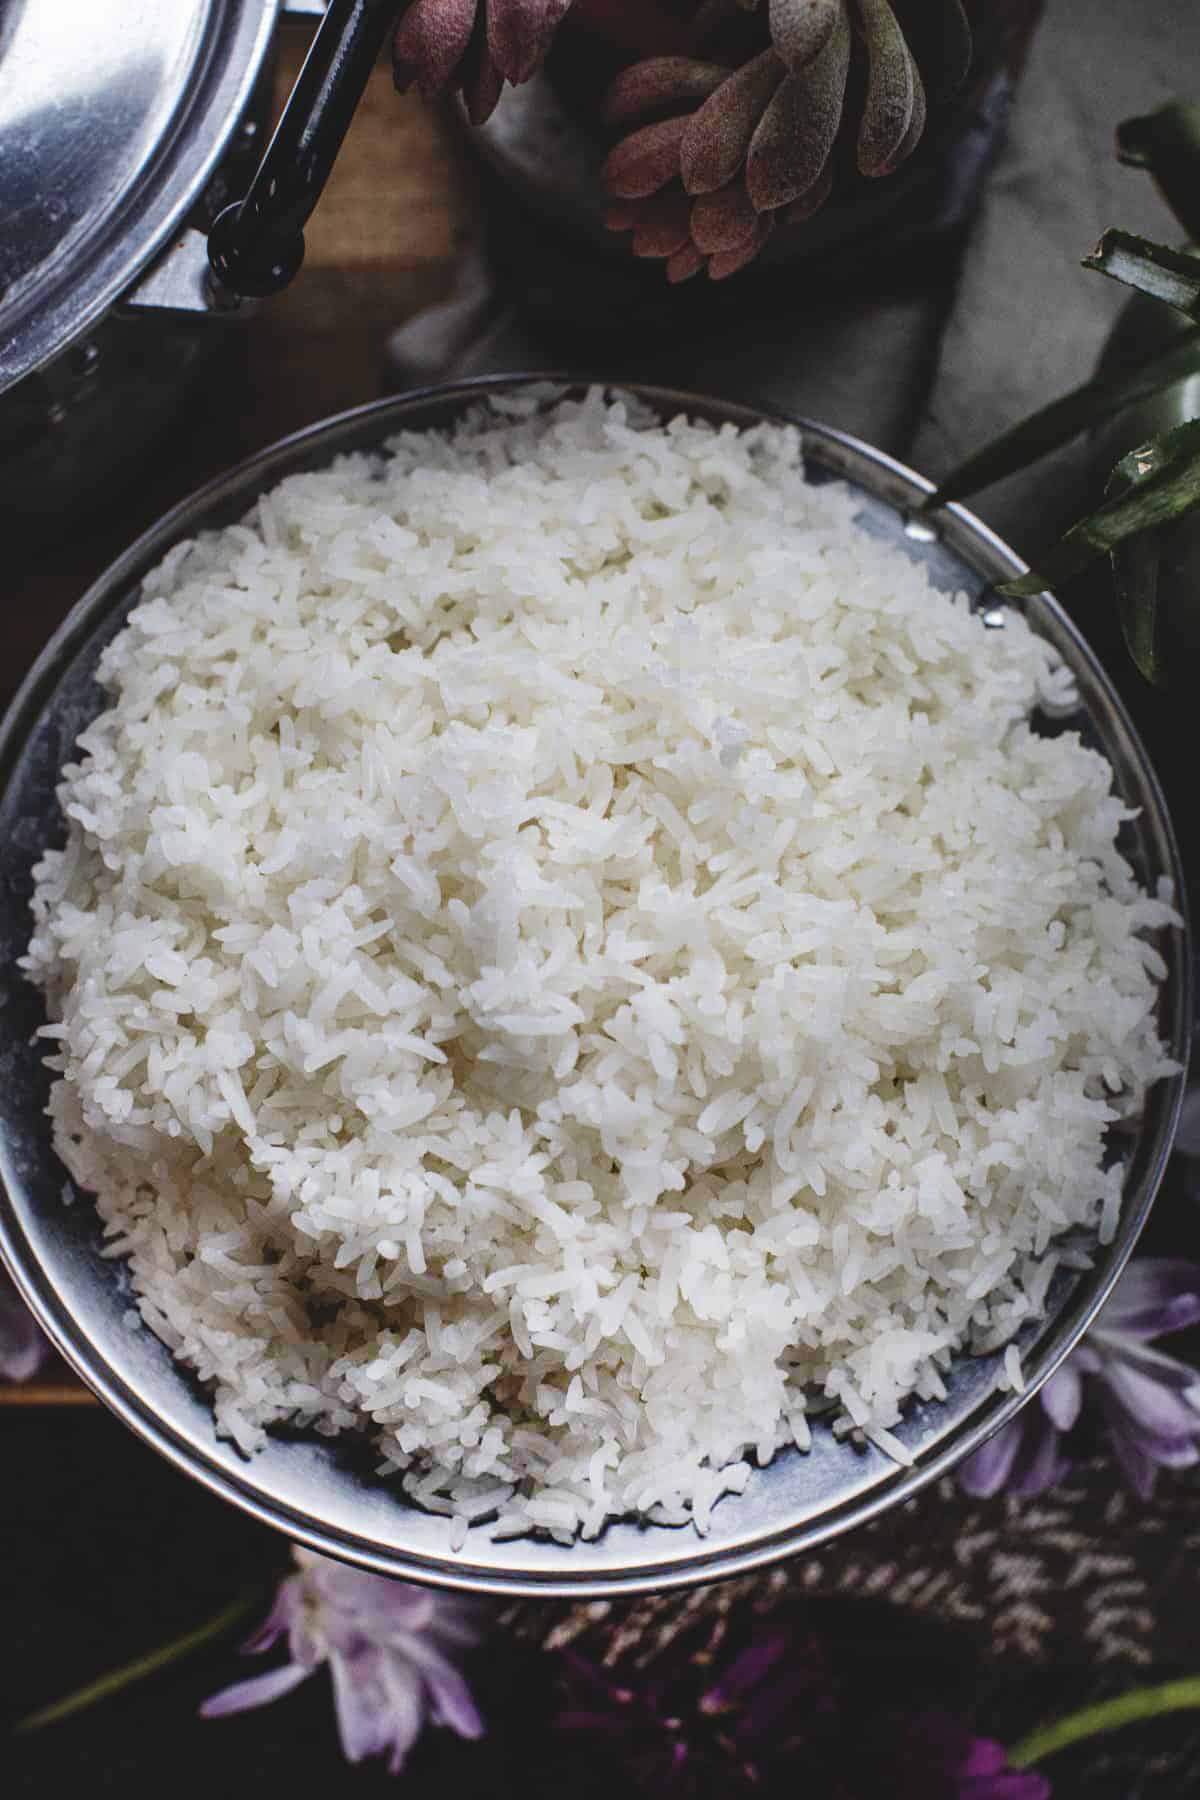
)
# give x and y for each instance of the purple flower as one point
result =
(948, 1761)
(1150, 1402)
(1025, 1456)
(23, 1349)
(986, 1774)
(690, 1728)
(683, 1728)
(389, 1646)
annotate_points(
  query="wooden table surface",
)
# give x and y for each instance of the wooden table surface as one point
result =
(382, 244)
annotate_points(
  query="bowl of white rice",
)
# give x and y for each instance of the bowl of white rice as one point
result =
(584, 1006)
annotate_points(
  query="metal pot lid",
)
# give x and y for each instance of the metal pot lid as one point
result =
(113, 116)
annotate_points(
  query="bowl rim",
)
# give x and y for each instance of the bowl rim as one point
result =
(358, 428)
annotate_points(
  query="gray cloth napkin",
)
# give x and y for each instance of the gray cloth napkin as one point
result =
(861, 364)
(1027, 322)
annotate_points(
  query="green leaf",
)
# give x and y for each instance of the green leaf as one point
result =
(1154, 484)
(1135, 566)
(1153, 269)
(143, 1666)
(1109, 1715)
(1167, 143)
(1084, 407)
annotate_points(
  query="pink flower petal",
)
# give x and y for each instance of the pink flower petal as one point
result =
(1138, 1467)
(986, 1472)
(984, 1757)
(1155, 1295)
(386, 1644)
(1176, 1453)
(452, 1704)
(278, 1620)
(1041, 1465)
(1145, 1359)
(1062, 1396)
(260, 1690)
(1151, 1404)
(374, 1715)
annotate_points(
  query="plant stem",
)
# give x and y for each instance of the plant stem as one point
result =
(1108, 1715)
(142, 1666)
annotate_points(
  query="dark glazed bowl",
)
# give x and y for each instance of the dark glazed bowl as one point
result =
(323, 1493)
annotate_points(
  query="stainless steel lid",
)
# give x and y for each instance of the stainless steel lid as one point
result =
(113, 116)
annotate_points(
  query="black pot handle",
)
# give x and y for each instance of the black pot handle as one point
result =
(256, 245)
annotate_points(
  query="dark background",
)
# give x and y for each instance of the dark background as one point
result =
(1012, 1613)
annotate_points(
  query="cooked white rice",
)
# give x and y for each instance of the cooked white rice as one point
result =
(569, 951)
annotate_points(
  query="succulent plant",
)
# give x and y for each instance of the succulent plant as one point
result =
(473, 47)
(717, 149)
